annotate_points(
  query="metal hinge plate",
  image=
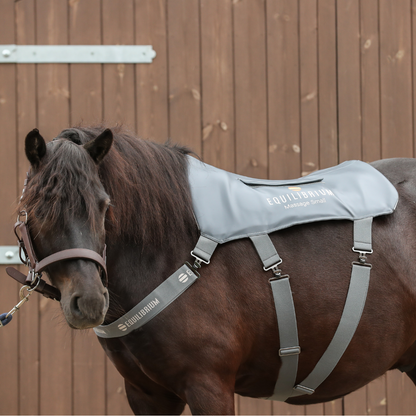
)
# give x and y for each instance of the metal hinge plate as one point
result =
(76, 54)
(9, 255)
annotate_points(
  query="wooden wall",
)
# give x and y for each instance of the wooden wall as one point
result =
(265, 88)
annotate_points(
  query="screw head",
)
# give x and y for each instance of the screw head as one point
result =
(6, 53)
(9, 255)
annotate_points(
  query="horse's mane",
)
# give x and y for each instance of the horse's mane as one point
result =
(146, 181)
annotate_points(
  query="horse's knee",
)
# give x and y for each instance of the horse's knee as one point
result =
(147, 402)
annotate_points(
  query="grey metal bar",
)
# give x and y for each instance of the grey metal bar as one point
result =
(76, 54)
(9, 255)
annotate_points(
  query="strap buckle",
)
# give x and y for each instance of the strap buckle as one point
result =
(304, 389)
(273, 267)
(199, 260)
(362, 255)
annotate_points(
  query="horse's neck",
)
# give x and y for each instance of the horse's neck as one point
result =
(136, 271)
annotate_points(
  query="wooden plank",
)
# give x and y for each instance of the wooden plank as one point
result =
(370, 81)
(8, 194)
(86, 105)
(89, 375)
(413, 14)
(218, 133)
(401, 396)
(119, 80)
(314, 409)
(86, 79)
(395, 77)
(53, 116)
(249, 406)
(29, 354)
(250, 88)
(308, 59)
(356, 403)
(117, 403)
(334, 407)
(184, 73)
(376, 397)
(349, 79)
(327, 79)
(283, 88)
(152, 79)
(280, 408)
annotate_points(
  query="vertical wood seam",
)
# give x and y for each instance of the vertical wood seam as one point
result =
(266, 32)
(234, 92)
(336, 77)
(412, 75)
(379, 85)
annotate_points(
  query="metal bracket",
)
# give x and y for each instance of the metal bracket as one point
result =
(76, 54)
(9, 255)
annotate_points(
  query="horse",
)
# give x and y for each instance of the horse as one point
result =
(95, 186)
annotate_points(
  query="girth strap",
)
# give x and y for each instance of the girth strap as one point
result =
(354, 306)
(286, 315)
(288, 334)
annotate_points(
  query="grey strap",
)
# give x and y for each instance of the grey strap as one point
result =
(350, 318)
(266, 251)
(288, 335)
(362, 235)
(151, 305)
(204, 249)
(286, 318)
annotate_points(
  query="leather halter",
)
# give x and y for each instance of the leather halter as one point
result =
(28, 257)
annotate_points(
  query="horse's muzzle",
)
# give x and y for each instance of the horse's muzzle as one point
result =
(83, 311)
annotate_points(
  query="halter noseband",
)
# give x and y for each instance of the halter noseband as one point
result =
(28, 257)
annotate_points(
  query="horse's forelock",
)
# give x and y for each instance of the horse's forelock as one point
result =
(63, 187)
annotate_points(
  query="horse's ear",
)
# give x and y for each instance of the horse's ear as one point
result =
(100, 146)
(35, 147)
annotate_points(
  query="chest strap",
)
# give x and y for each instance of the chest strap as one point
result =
(151, 305)
(286, 316)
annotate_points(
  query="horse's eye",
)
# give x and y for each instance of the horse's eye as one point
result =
(104, 205)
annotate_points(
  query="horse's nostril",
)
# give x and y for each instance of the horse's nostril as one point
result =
(75, 306)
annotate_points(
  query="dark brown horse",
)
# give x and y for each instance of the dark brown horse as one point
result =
(220, 337)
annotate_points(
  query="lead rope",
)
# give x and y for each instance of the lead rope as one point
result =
(5, 318)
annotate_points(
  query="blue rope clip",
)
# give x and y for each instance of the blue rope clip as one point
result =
(4, 319)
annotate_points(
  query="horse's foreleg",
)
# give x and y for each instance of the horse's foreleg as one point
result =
(151, 402)
(210, 395)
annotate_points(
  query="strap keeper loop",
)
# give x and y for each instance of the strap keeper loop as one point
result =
(284, 352)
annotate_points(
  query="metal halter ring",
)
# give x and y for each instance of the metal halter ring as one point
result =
(21, 214)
